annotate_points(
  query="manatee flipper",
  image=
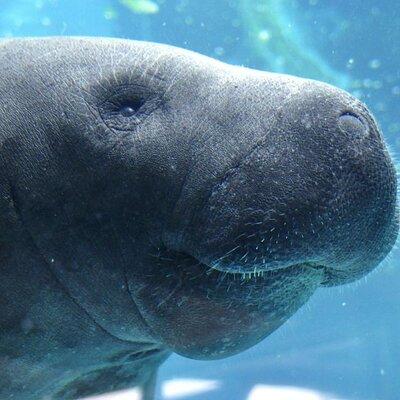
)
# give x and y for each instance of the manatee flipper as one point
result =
(149, 387)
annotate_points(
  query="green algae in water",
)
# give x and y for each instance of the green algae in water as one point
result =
(141, 6)
(280, 46)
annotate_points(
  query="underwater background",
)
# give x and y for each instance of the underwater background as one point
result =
(345, 343)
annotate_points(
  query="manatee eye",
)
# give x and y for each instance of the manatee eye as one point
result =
(353, 125)
(130, 108)
(127, 107)
(127, 111)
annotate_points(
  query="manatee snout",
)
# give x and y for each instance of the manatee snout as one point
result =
(317, 188)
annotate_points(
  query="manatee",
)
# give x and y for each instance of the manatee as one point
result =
(154, 200)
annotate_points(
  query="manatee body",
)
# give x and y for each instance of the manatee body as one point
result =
(154, 200)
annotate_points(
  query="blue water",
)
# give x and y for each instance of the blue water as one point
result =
(345, 342)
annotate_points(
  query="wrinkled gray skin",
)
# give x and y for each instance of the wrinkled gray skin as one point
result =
(155, 200)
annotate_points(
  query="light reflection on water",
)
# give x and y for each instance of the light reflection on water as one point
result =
(186, 388)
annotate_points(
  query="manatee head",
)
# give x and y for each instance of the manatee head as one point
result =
(218, 198)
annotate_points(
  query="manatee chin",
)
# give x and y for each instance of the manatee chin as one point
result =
(203, 313)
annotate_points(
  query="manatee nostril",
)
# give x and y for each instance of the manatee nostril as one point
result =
(354, 125)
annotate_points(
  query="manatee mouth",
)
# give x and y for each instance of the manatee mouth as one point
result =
(329, 275)
(247, 273)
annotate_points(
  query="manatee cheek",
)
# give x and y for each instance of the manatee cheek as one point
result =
(200, 316)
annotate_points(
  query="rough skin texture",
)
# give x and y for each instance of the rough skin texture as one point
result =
(153, 200)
